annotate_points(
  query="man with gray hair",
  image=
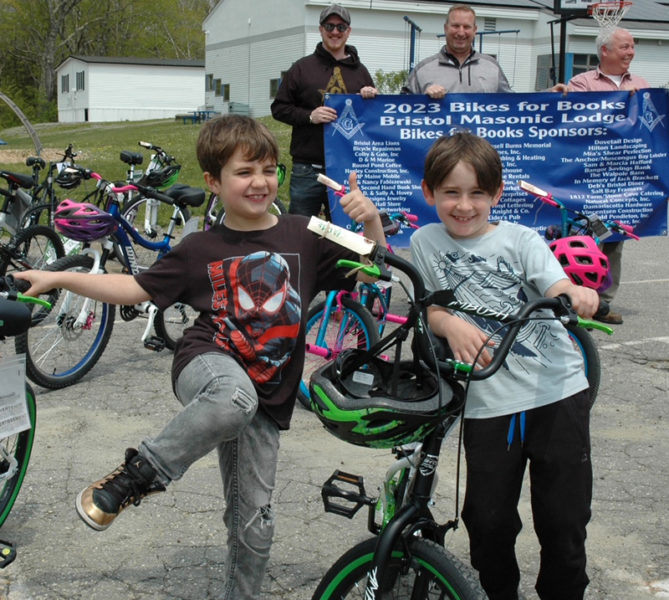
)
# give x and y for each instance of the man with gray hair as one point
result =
(457, 67)
(615, 48)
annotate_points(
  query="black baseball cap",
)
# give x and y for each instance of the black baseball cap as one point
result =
(335, 9)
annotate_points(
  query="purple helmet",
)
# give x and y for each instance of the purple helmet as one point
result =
(83, 222)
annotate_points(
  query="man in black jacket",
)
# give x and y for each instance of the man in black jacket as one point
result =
(333, 68)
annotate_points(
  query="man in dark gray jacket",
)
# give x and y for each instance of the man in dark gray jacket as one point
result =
(457, 67)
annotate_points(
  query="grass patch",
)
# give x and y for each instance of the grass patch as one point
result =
(99, 144)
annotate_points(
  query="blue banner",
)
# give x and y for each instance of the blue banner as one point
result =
(604, 153)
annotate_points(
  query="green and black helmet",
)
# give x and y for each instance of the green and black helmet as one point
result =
(381, 404)
(161, 178)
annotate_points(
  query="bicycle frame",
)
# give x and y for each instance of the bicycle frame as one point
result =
(124, 236)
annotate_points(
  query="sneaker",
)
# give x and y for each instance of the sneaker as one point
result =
(612, 318)
(101, 502)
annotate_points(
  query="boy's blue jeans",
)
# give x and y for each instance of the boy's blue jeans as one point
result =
(220, 412)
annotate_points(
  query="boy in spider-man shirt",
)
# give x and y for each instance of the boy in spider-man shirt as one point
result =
(237, 369)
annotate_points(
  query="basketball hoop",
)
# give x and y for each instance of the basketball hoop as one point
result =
(608, 14)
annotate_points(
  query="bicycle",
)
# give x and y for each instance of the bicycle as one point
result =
(43, 197)
(214, 212)
(68, 340)
(149, 216)
(23, 248)
(409, 406)
(17, 425)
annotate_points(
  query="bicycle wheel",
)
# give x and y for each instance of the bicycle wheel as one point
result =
(171, 322)
(276, 208)
(63, 344)
(14, 457)
(31, 248)
(352, 327)
(151, 218)
(426, 571)
(38, 214)
(592, 366)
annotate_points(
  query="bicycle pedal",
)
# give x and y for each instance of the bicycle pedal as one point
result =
(154, 343)
(7, 554)
(355, 494)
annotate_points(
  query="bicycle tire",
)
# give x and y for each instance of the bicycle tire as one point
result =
(58, 351)
(31, 248)
(354, 327)
(426, 571)
(585, 344)
(17, 447)
(38, 214)
(276, 208)
(135, 213)
(171, 323)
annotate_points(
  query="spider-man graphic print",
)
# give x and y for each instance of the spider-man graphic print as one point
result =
(256, 312)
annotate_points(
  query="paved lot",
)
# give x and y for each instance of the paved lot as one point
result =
(171, 546)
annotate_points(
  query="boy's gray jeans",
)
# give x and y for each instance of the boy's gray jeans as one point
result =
(220, 411)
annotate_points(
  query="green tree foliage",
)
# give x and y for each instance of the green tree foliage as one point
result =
(37, 35)
(391, 82)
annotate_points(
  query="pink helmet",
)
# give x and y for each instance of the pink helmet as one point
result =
(83, 222)
(583, 262)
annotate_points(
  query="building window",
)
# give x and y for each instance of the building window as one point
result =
(583, 62)
(209, 83)
(544, 78)
(222, 89)
(80, 80)
(274, 87)
(65, 84)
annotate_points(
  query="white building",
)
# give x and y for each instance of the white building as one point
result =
(92, 88)
(248, 46)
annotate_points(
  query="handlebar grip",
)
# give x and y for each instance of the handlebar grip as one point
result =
(603, 309)
(10, 284)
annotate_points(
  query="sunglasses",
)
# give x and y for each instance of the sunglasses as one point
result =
(330, 27)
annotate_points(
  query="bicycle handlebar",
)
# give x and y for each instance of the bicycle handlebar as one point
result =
(147, 191)
(15, 317)
(380, 257)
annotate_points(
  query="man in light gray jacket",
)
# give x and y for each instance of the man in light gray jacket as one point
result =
(457, 67)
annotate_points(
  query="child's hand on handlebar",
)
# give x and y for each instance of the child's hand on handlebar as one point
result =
(464, 339)
(40, 281)
(584, 301)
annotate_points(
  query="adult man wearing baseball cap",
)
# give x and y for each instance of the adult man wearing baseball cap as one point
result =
(333, 68)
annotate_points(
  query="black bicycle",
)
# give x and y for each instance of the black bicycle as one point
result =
(377, 399)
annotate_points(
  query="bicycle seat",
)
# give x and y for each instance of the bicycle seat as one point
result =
(19, 179)
(132, 158)
(35, 161)
(185, 195)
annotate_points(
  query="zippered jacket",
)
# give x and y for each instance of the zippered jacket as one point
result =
(303, 88)
(479, 73)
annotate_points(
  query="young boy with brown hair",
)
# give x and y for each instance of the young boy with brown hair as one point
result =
(237, 369)
(535, 408)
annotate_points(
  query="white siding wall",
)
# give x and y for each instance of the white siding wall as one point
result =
(122, 92)
(137, 92)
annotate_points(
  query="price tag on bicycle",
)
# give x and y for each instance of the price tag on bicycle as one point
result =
(14, 416)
